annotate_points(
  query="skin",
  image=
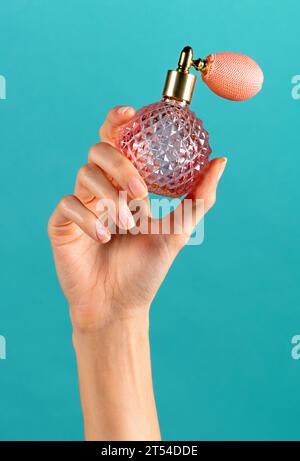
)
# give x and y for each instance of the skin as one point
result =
(110, 282)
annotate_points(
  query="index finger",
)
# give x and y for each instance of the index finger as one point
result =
(116, 117)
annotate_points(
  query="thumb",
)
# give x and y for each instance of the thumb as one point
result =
(194, 206)
(206, 187)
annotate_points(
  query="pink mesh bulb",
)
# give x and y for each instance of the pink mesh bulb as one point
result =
(233, 76)
(168, 145)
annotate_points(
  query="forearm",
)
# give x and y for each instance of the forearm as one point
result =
(115, 381)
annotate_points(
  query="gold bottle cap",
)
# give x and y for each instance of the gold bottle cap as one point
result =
(179, 86)
(180, 83)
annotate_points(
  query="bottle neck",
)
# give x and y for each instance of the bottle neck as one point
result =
(179, 85)
(177, 101)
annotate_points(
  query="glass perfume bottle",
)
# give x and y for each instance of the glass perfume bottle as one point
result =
(166, 141)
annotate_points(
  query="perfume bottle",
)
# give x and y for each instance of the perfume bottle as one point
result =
(166, 141)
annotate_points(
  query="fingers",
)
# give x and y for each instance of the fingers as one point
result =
(115, 118)
(119, 168)
(71, 213)
(91, 182)
(192, 209)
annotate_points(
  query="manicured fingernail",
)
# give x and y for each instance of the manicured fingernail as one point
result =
(124, 109)
(222, 168)
(103, 234)
(137, 188)
(125, 217)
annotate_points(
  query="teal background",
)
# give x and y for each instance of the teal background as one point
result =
(223, 320)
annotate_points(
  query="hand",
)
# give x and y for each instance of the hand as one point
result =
(110, 281)
(107, 277)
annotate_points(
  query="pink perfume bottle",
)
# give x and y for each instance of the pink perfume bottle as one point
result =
(165, 141)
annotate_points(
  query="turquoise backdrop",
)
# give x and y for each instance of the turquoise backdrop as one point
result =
(223, 320)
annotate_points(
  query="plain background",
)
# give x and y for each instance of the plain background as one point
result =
(223, 320)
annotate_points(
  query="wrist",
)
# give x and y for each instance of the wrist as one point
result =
(91, 321)
(131, 327)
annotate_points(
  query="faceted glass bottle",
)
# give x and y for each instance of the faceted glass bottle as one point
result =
(168, 145)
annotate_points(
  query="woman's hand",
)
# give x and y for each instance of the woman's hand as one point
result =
(110, 281)
(107, 277)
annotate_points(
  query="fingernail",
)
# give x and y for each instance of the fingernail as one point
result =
(102, 233)
(122, 110)
(222, 168)
(125, 217)
(137, 188)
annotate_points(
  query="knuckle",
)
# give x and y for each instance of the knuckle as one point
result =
(94, 152)
(113, 111)
(66, 202)
(83, 172)
(102, 132)
(115, 108)
(111, 157)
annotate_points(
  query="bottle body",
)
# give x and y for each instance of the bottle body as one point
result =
(168, 145)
